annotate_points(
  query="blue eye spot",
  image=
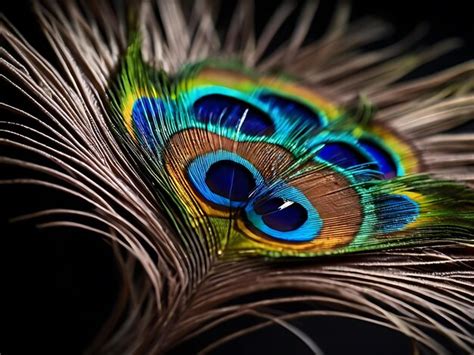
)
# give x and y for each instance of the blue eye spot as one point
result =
(395, 212)
(269, 205)
(231, 180)
(281, 215)
(230, 112)
(292, 109)
(342, 155)
(384, 160)
(146, 113)
(284, 214)
(223, 178)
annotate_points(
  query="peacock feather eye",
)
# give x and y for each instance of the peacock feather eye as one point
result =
(286, 215)
(232, 113)
(396, 212)
(385, 161)
(282, 215)
(231, 180)
(343, 155)
(292, 109)
(223, 178)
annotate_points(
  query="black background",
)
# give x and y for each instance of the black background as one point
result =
(58, 286)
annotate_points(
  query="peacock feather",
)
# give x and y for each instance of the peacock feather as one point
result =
(262, 165)
(219, 170)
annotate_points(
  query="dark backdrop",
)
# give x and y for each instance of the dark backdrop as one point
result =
(58, 286)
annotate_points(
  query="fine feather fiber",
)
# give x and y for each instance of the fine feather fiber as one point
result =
(388, 240)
